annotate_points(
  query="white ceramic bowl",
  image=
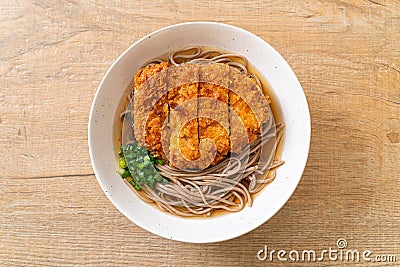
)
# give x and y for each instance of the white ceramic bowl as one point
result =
(288, 94)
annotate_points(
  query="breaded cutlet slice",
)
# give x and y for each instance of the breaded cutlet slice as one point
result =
(213, 110)
(150, 111)
(247, 101)
(182, 99)
(196, 120)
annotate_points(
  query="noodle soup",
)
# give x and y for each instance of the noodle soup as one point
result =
(187, 192)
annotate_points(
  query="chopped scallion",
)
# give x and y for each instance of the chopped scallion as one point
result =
(125, 174)
(122, 163)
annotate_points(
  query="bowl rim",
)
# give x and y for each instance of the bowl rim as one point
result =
(300, 166)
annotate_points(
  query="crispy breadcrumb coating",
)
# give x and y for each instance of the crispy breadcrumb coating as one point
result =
(149, 118)
(207, 110)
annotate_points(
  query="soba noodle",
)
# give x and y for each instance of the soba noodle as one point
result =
(203, 192)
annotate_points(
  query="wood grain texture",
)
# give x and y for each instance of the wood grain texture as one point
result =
(53, 55)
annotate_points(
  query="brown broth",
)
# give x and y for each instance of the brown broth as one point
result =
(274, 105)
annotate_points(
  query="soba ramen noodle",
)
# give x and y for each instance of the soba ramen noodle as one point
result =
(198, 134)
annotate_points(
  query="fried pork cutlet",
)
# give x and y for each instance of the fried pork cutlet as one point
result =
(182, 99)
(213, 110)
(149, 118)
(196, 111)
(248, 102)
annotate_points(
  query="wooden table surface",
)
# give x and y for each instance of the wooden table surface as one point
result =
(53, 55)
